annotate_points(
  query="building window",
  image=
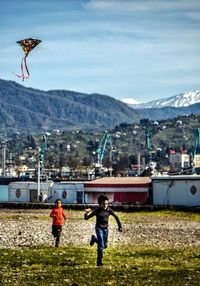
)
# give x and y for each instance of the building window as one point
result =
(64, 194)
(193, 190)
(18, 193)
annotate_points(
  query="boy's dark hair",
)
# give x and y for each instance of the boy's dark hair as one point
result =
(58, 200)
(102, 198)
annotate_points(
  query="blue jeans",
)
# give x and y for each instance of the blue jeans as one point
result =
(102, 240)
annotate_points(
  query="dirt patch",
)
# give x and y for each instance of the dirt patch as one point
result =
(33, 228)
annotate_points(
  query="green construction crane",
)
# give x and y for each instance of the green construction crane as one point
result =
(149, 145)
(197, 142)
(101, 150)
(194, 150)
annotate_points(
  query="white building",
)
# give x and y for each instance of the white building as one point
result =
(179, 161)
(185, 160)
(28, 191)
(197, 160)
(176, 190)
(67, 192)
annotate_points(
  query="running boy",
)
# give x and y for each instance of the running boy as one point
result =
(102, 214)
(58, 216)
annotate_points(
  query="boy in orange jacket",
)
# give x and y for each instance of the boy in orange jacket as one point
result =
(59, 217)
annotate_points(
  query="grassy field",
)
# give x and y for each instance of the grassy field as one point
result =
(123, 264)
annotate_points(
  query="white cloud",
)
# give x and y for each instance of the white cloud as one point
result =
(123, 48)
(193, 15)
(130, 6)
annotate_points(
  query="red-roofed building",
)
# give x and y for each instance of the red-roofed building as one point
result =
(122, 190)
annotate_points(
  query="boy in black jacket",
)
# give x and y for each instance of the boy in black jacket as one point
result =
(102, 214)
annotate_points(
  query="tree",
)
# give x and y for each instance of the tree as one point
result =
(31, 142)
(72, 161)
(121, 165)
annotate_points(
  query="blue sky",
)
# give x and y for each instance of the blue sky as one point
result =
(136, 49)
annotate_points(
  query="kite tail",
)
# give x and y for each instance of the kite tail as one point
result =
(26, 74)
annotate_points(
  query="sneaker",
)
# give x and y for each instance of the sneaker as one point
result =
(92, 240)
(57, 243)
(99, 264)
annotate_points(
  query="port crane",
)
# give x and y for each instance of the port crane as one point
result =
(195, 150)
(101, 151)
(149, 146)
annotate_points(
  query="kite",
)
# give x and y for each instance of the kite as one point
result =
(27, 45)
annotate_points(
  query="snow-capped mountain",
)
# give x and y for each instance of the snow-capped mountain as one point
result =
(180, 100)
(130, 101)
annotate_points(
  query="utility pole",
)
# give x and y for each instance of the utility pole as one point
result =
(4, 159)
(41, 155)
(138, 164)
(38, 194)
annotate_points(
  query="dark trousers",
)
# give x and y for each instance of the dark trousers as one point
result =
(102, 241)
(56, 231)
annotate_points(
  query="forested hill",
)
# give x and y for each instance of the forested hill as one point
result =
(169, 112)
(28, 110)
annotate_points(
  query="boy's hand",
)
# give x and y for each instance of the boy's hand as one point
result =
(120, 229)
(87, 210)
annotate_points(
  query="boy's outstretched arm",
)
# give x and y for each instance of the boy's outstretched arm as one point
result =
(117, 220)
(89, 213)
(64, 215)
(52, 214)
